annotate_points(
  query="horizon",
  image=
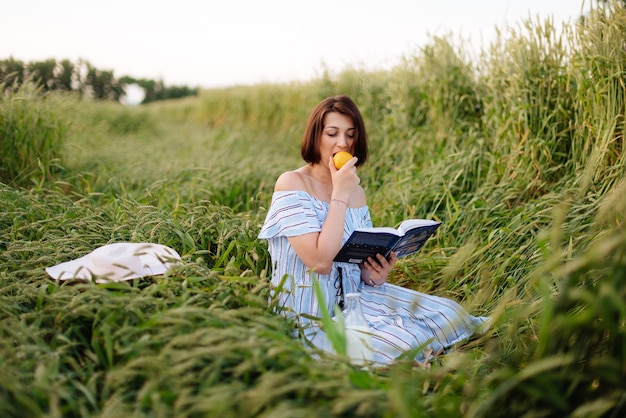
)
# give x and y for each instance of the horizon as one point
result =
(246, 42)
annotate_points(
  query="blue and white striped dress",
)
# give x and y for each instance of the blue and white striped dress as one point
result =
(401, 319)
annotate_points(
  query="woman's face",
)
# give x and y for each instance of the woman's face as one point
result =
(339, 134)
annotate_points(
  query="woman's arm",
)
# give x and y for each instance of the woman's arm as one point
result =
(317, 250)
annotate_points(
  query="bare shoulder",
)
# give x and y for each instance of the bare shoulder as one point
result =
(358, 198)
(289, 180)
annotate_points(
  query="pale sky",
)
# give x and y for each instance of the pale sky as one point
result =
(213, 44)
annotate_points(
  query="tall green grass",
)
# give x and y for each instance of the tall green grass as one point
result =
(520, 152)
(31, 136)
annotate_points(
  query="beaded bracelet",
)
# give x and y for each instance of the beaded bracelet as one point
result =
(340, 201)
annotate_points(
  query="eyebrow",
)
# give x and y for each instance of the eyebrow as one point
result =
(337, 127)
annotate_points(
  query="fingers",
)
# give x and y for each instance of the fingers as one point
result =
(350, 164)
(346, 178)
(379, 266)
(348, 167)
(331, 165)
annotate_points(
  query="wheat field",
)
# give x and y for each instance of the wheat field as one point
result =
(519, 152)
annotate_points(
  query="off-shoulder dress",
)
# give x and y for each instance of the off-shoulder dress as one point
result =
(401, 319)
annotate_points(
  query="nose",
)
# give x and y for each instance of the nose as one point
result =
(343, 140)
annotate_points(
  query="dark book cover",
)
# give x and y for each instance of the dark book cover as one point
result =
(404, 241)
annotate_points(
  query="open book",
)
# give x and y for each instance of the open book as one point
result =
(409, 238)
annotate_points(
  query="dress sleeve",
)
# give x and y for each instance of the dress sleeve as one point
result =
(290, 214)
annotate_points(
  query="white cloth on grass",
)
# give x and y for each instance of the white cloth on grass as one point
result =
(117, 262)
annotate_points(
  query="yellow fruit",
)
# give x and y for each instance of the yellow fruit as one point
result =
(341, 158)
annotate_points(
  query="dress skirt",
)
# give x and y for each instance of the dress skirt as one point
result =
(401, 319)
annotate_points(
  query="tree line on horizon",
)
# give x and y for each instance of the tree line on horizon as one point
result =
(85, 79)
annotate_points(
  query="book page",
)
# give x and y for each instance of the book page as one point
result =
(414, 223)
(380, 229)
(414, 239)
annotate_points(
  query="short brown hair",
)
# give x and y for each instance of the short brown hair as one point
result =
(315, 126)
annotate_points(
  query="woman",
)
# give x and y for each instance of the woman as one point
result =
(314, 209)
